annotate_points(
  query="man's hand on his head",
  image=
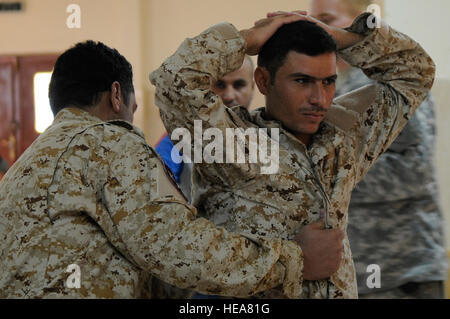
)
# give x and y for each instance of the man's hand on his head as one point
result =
(344, 39)
(263, 30)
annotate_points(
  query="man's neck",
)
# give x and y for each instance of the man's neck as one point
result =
(304, 138)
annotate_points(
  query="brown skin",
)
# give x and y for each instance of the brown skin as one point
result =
(322, 250)
(112, 105)
(236, 88)
(299, 102)
(305, 87)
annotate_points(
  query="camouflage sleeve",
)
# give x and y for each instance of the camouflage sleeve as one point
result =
(404, 74)
(406, 169)
(160, 234)
(183, 95)
(182, 82)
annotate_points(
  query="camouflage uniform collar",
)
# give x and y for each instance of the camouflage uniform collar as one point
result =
(259, 117)
(74, 113)
(319, 141)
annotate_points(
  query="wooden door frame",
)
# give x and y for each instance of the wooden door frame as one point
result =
(28, 66)
(22, 122)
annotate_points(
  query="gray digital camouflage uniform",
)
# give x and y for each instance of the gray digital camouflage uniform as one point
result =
(96, 195)
(358, 128)
(394, 215)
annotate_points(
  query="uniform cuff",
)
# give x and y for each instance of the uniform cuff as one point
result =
(371, 47)
(233, 47)
(291, 256)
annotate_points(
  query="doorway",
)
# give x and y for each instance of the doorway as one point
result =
(24, 108)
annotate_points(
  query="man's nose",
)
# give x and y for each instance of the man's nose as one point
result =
(317, 96)
(228, 95)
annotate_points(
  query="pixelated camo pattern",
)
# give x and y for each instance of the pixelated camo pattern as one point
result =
(96, 195)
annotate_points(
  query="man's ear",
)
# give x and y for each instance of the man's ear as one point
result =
(262, 79)
(116, 97)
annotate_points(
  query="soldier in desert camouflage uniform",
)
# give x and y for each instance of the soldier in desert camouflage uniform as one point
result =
(394, 215)
(90, 192)
(319, 164)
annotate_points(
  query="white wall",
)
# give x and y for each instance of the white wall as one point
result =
(428, 22)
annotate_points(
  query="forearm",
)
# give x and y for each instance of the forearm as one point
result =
(195, 254)
(390, 57)
(159, 233)
(182, 82)
(403, 73)
(184, 96)
(407, 168)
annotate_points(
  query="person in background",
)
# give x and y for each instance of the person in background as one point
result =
(235, 88)
(394, 216)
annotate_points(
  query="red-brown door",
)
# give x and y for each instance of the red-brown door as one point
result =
(17, 110)
(28, 67)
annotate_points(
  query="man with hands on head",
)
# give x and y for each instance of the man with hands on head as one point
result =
(325, 146)
(90, 195)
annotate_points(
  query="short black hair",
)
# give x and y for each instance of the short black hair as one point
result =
(84, 72)
(302, 37)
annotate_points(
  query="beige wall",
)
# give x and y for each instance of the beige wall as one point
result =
(41, 28)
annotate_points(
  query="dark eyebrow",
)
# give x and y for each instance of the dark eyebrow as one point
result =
(301, 75)
(239, 81)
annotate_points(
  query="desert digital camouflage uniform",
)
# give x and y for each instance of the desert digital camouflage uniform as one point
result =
(394, 216)
(95, 194)
(310, 181)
